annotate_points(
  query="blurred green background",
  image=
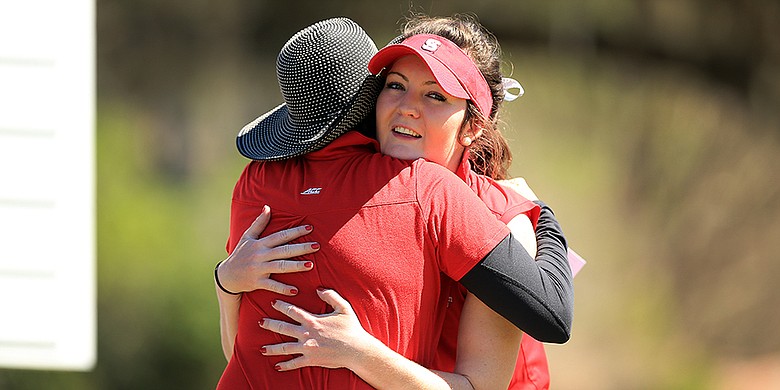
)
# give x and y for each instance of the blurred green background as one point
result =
(651, 127)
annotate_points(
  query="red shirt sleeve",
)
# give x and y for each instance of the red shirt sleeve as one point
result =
(520, 205)
(464, 230)
(504, 202)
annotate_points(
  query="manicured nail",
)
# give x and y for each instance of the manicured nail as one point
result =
(308, 227)
(315, 246)
(263, 350)
(261, 322)
(277, 368)
(321, 289)
(294, 291)
(308, 264)
(273, 303)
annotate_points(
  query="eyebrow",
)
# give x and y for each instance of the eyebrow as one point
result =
(429, 82)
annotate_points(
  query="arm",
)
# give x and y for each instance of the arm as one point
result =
(337, 339)
(537, 296)
(523, 232)
(520, 186)
(228, 320)
(488, 358)
(250, 266)
(487, 344)
(487, 351)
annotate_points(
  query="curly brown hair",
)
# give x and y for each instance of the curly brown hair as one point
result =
(489, 153)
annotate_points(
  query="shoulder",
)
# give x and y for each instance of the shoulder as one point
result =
(261, 170)
(504, 202)
(426, 170)
(438, 183)
(247, 181)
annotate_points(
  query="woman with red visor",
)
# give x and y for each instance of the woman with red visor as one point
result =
(415, 120)
(436, 105)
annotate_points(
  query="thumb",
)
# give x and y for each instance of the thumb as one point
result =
(336, 301)
(259, 224)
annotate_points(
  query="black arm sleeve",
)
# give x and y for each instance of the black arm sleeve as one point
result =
(537, 296)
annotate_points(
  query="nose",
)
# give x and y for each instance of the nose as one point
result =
(409, 106)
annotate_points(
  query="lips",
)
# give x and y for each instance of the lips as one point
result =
(406, 132)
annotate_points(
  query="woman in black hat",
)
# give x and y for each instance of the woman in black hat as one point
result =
(316, 190)
(478, 145)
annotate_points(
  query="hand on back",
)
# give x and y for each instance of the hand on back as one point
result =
(254, 260)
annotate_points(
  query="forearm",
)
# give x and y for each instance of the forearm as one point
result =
(228, 320)
(487, 346)
(487, 350)
(383, 368)
(338, 340)
(551, 243)
(537, 295)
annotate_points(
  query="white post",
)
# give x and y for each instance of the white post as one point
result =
(47, 184)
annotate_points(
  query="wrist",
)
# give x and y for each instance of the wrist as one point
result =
(219, 284)
(369, 354)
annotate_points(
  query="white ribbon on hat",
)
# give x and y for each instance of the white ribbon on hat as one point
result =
(510, 83)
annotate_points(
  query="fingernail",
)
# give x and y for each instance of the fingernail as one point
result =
(308, 227)
(321, 289)
(261, 322)
(294, 291)
(308, 264)
(315, 246)
(273, 303)
(263, 350)
(277, 368)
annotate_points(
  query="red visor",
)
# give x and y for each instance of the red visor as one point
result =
(453, 69)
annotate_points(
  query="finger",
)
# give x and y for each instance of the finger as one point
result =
(259, 224)
(336, 301)
(275, 286)
(291, 348)
(285, 266)
(290, 250)
(286, 235)
(292, 364)
(281, 327)
(294, 312)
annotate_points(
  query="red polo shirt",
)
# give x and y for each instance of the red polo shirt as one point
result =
(531, 370)
(389, 231)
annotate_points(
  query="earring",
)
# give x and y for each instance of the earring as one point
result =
(466, 140)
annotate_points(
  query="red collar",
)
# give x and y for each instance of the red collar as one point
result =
(347, 144)
(463, 170)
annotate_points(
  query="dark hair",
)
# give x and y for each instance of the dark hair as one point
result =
(489, 153)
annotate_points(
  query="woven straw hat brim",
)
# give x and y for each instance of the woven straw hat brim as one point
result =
(320, 71)
(270, 136)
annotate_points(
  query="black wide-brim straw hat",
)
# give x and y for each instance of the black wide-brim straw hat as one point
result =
(324, 79)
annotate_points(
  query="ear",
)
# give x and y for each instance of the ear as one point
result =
(468, 135)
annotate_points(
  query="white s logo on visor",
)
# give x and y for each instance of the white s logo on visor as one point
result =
(431, 45)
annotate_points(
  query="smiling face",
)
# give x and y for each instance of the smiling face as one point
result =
(416, 118)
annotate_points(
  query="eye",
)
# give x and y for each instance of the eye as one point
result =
(437, 96)
(394, 85)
